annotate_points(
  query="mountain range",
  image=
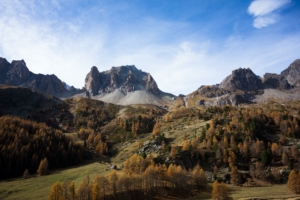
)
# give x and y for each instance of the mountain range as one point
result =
(16, 73)
(126, 85)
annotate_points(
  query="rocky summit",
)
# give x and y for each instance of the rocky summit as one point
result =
(125, 78)
(124, 85)
(16, 73)
(241, 79)
(243, 86)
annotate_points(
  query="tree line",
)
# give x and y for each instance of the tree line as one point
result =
(141, 179)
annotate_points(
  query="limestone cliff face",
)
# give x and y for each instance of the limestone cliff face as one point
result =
(242, 79)
(276, 81)
(125, 78)
(16, 73)
(151, 85)
(91, 81)
(292, 74)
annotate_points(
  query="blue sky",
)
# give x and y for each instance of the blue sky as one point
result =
(183, 43)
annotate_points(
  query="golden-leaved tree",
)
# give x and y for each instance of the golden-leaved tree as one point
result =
(43, 167)
(293, 183)
(220, 191)
(156, 129)
(199, 178)
(56, 192)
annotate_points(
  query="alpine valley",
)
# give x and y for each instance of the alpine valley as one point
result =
(121, 137)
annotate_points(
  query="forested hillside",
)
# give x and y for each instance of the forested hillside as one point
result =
(24, 143)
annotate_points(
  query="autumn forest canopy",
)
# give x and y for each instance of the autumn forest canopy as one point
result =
(247, 145)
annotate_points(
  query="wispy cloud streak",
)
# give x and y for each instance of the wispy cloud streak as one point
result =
(264, 11)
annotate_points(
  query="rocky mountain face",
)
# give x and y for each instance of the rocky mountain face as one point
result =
(243, 86)
(16, 73)
(211, 91)
(292, 74)
(242, 79)
(276, 81)
(125, 78)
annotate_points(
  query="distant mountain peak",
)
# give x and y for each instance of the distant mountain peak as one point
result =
(126, 78)
(241, 79)
(16, 73)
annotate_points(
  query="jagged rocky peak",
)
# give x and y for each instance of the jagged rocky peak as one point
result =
(4, 65)
(242, 79)
(125, 78)
(292, 73)
(16, 73)
(92, 80)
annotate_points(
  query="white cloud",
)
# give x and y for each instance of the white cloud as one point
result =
(50, 46)
(264, 7)
(263, 11)
(265, 20)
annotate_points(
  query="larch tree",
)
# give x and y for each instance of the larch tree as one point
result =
(43, 167)
(173, 152)
(232, 143)
(185, 146)
(293, 182)
(72, 193)
(171, 172)
(26, 174)
(56, 192)
(198, 178)
(96, 191)
(156, 129)
(220, 191)
(112, 179)
(65, 191)
(275, 149)
(285, 159)
(102, 181)
(84, 190)
(294, 152)
(260, 171)
(226, 143)
(234, 176)
(282, 140)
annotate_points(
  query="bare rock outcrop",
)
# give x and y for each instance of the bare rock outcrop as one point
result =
(92, 80)
(242, 79)
(276, 81)
(211, 91)
(151, 85)
(125, 78)
(292, 74)
(231, 99)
